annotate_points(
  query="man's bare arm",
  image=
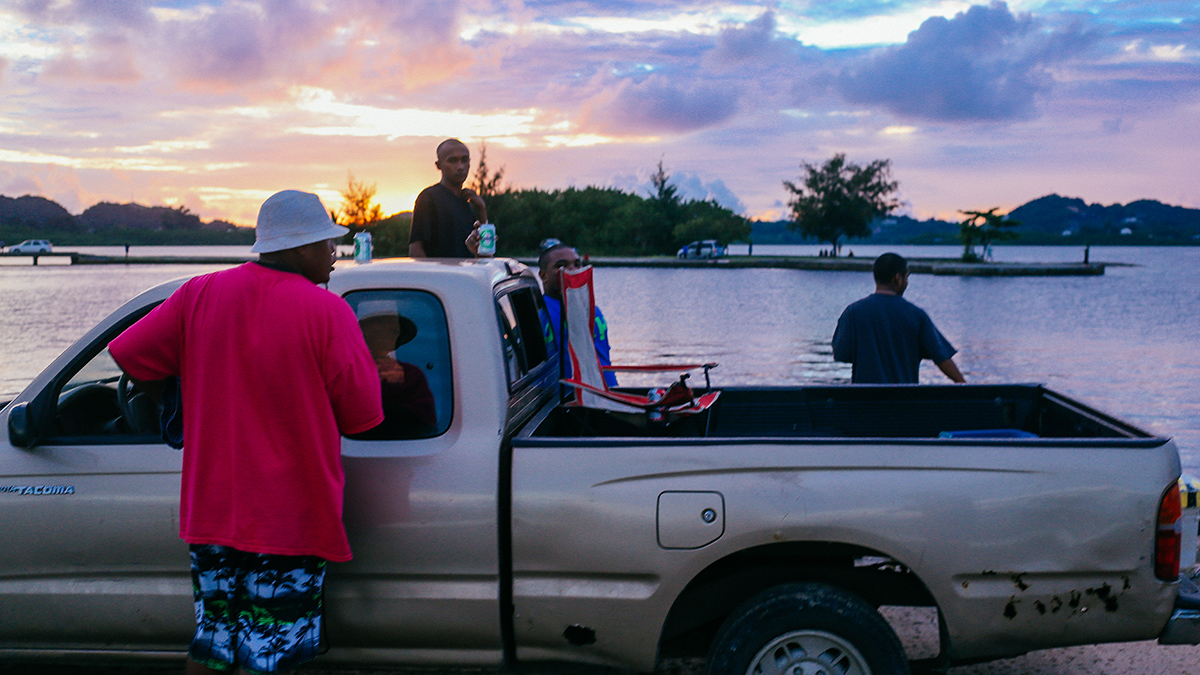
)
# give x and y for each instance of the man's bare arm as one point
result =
(476, 203)
(951, 370)
(416, 249)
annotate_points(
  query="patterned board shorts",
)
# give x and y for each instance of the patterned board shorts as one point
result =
(260, 613)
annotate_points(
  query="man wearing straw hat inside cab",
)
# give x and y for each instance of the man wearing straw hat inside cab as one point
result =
(273, 371)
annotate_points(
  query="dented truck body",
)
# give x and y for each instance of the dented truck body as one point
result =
(522, 531)
(1021, 543)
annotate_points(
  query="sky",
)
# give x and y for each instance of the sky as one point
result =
(216, 105)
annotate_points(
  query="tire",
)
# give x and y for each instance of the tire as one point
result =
(806, 629)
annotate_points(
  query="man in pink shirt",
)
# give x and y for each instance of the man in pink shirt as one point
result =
(274, 370)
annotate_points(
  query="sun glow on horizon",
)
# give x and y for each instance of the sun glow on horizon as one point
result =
(364, 120)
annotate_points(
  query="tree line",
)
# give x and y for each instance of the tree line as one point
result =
(832, 201)
(597, 220)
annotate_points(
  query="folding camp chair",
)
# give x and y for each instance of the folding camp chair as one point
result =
(587, 375)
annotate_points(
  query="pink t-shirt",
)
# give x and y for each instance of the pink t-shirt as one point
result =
(274, 370)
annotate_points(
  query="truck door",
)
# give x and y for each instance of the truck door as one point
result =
(91, 555)
(420, 508)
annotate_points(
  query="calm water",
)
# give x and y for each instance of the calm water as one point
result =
(1127, 343)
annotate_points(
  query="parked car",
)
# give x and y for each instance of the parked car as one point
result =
(31, 246)
(764, 532)
(709, 248)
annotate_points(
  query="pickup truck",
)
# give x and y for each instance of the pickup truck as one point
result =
(764, 533)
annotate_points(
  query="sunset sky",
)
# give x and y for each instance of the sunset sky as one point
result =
(216, 105)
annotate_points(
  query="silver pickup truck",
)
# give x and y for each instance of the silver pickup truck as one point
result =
(765, 533)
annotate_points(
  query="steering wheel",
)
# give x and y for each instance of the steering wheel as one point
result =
(128, 401)
(124, 397)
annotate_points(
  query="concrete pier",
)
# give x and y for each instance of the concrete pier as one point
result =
(938, 266)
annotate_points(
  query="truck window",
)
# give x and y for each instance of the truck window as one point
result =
(96, 405)
(510, 334)
(522, 332)
(408, 337)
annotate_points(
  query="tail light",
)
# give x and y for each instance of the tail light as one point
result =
(1168, 537)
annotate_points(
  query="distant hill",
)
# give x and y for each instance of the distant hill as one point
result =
(36, 212)
(1052, 219)
(138, 217)
(106, 223)
(1143, 219)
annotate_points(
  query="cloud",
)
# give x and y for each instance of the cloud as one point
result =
(983, 64)
(107, 58)
(257, 49)
(228, 47)
(738, 43)
(57, 183)
(110, 13)
(658, 105)
(690, 186)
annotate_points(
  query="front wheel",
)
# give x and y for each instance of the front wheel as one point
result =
(806, 629)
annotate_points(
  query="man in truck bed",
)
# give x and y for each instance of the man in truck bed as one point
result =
(557, 256)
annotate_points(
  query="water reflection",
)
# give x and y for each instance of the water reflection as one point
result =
(1125, 342)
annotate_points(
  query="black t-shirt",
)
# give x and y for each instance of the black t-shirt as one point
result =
(442, 221)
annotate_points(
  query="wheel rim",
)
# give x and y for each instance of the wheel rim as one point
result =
(808, 652)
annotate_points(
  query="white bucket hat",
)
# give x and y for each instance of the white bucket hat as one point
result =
(292, 218)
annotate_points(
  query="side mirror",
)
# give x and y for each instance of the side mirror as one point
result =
(19, 432)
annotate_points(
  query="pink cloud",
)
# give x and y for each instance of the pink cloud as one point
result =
(61, 185)
(658, 105)
(109, 58)
(363, 46)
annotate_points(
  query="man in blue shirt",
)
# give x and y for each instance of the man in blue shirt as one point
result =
(886, 336)
(557, 256)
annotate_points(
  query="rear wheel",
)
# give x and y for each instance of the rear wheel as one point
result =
(806, 629)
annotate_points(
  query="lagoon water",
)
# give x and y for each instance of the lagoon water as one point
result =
(1127, 343)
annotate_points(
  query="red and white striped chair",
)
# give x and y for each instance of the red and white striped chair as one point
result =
(587, 375)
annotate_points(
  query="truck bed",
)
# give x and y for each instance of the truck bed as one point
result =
(961, 413)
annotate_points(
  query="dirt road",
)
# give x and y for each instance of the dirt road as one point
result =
(1135, 658)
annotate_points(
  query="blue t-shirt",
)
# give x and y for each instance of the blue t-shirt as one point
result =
(553, 327)
(885, 337)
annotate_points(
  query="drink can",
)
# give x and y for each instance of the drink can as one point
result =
(487, 239)
(362, 247)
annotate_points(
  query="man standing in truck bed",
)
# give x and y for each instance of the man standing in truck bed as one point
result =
(446, 215)
(886, 336)
(273, 369)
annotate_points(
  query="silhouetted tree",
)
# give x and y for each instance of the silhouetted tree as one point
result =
(481, 182)
(709, 220)
(981, 228)
(359, 210)
(838, 200)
